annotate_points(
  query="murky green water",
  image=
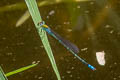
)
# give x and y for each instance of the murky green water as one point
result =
(92, 26)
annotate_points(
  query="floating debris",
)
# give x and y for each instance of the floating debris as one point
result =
(69, 30)
(91, 3)
(72, 68)
(20, 44)
(42, 46)
(40, 77)
(4, 38)
(107, 26)
(63, 77)
(84, 49)
(87, 11)
(9, 54)
(71, 75)
(67, 22)
(35, 62)
(68, 72)
(78, 6)
(47, 17)
(51, 12)
(101, 58)
(111, 31)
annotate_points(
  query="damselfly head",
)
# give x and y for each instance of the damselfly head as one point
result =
(41, 23)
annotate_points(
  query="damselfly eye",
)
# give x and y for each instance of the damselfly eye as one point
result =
(41, 23)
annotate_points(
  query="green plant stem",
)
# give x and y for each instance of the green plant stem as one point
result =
(33, 9)
(20, 70)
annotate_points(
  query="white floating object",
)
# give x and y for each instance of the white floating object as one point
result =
(101, 58)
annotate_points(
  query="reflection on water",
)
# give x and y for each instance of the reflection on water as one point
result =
(96, 29)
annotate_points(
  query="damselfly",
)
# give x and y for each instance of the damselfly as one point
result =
(70, 46)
